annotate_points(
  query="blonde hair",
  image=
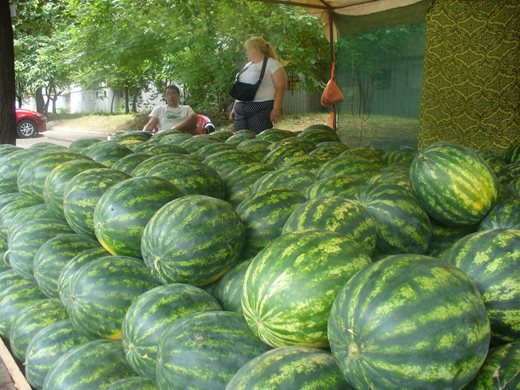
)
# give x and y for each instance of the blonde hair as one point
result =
(261, 45)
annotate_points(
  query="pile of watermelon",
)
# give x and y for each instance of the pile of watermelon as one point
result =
(283, 260)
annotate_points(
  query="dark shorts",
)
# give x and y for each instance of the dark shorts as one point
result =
(253, 116)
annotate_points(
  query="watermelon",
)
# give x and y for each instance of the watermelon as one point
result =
(505, 215)
(453, 184)
(328, 150)
(107, 152)
(512, 154)
(153, 312)
(80, 145)
(277, 156)
(190, 177)
(172, 138)
(7, 198)
(213, 148)
(9, 165)
(344, 186)
(514, 187)
(123, 211)
(4, 262)
(291, 284)
(264, 215)
(409, 322)
(240, 136)
(133, 383)
(226, 161)
(500, 370)
(240, 181)
(228, 289)
(38, 211)
(293, 178)
(491, 259)
(273, 135)
(368, 152)
(58, 179)
(335, 214)
(102, 363)
(30, 320)
(220, 135)
(311, 163)
(15, 294)
(47, 345)
(132, 135)
(353, 165)
(53, 255)
(144, 147)
(255, 148)
(83, 192)
(290, 368)
(217, 343)
(402, 226)
(393, 174)
(165, 148)
(128, 163)
(101, 292)
(404, 157)
(26, 238)
(47, 146)
(10, 211)
(444, 236)
(318, 135)
(196, 142)
(194, 239)
(143, 168)
(33, 172)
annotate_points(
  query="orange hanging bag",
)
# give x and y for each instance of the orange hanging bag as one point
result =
(331, 94)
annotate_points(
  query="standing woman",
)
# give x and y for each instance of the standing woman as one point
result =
(266, 108)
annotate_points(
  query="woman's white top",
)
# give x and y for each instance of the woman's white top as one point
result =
(251, 74)
(170, 116)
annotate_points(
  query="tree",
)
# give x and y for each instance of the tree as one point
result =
(7, 84)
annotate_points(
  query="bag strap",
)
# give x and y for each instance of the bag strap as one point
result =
(332, 73)
(264, 65)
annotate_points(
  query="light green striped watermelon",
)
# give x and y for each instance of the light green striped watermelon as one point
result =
(328, 149)
(191, 177)
(220, 134)
(352, 165)
(26, 238)
(213, 148)
(194, 239)
(277, 156)
(205, 350)
(290, 368)
(144, 147)
(240, 181)
(143, 168)
(53, 255)
(306, 161)
(240, 136)
(505, 215)
(10, 211)
(335, 214)
(402, 225)
(83, 192)
(491, 259)
(500, 370)
(165, 148)
(228, 289)
(30, 320)
(101, 292)
(123, 211)
(132, 135)
(7, 198)
(57, 181)
(80, 145)
(453, 184)
(274, 134)
(291, 284)
(292, 178)
(15, 294)
(102, 363)
(344, 186)
(255, 148)
(128, 163)
(409, 322)
(9, 166)
(196, 142)
(226, 161)
(107, 152)
(264, 215)
(153, 312)
(47, 345)
(133, 383)
(319, 134)
(173, 137)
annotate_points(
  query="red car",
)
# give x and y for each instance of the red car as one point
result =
(29, 123)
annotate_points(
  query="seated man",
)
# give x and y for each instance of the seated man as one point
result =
(172, 115)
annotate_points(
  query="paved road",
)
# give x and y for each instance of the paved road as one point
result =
(61, 137)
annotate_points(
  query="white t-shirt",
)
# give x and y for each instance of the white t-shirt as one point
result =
(251, 75)
(170, 116)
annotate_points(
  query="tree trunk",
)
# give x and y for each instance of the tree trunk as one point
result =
(127, 98)
(134, 100)
(112, 102)
(7, 83)
(40, 101)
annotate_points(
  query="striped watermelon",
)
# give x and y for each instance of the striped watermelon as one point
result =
(291, 284)
(133, 383)
(306, 161)
(53, 255)
(393, 174)
(58, 179)
(240, 136)
(194, 239)
(10, 211)
(128, 163)
(352, 165)
(144, 147)
(47, 345)
(213, 148)
(277, 156)
(255, 148)
(7, 198)
(34, 171)
(228, 289)
(404, 157)
(83, 192)
(217, 343)
(505, 215)
(492, 260)
(240, 181)
(80, 145)
(4, 262)
(30, 320)
(303, 144)
(402, 225)
(107, 152)
(102, 363)
(226, 161)
(369, 152)
(9, 165)
(453, 184)
(123, 211)
(264, 215)
(101, 292)
(290, 368)
(444, 236)
(174, 137)
(153, 312)
(220, 134)
(196, 142)
(165, 148)
(273, 135)
(191, 177)
(512, 154)
(319, 134)
(143, 168)
(26, 238)
(335, 214)
(344, 186)
(409, 322)
(328, 150)
(132, 135)
(292, 178)
(500, 370)
(15, 294)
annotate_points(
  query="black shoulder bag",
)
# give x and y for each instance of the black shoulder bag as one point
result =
(244, 91)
